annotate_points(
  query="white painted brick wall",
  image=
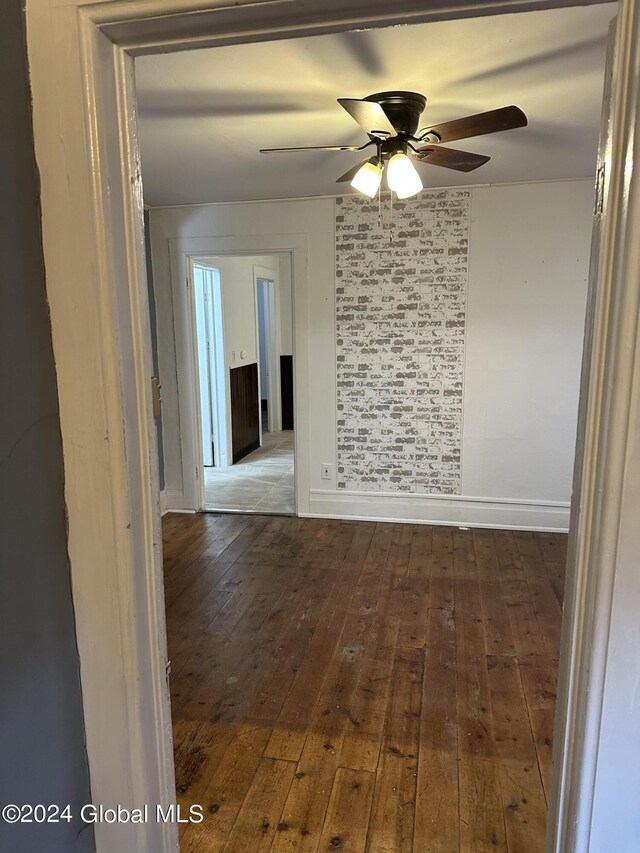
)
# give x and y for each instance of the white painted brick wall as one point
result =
(400, 309)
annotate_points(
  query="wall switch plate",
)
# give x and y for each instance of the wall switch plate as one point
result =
(233, 355)
(326, 470)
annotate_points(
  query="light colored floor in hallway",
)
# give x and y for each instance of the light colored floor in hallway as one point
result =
(261, 482)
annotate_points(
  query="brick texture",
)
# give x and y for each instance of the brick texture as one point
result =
(400, 322)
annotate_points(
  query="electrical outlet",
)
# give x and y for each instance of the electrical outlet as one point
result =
(233, 355)
(326, 470)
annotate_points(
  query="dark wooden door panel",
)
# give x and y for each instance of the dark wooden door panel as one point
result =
(245, 415)
(286, 390)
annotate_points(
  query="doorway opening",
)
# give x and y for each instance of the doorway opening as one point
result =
(242, 343)
(200, 746)
(410, 341)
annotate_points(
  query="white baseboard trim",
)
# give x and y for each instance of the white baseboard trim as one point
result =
(172, 500)
(456, 510)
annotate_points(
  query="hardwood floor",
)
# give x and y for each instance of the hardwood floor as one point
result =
(361, 687)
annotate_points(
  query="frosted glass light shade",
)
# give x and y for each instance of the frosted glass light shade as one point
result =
(402, 176)
(367, 178)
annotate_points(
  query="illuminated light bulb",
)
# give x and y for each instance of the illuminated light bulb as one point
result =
(402, 176)
(368, 177)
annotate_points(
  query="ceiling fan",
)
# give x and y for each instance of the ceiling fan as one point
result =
(391, 119)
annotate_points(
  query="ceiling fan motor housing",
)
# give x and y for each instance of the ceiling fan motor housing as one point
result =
(403, 109)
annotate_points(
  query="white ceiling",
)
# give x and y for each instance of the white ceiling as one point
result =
(205, 113)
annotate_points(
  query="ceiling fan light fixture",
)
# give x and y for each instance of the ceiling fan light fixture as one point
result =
(402, 176)
(367, 178)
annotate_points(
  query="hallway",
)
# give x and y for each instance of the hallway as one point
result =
(261, 482)
(360, 686)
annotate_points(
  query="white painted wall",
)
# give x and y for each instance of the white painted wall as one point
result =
(239, 306)
(286, 306)
(529, 252)
(529, 255)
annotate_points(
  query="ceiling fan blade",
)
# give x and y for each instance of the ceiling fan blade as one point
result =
(314, 148)
(450, 158)
(350, 175)
(370, 116)
(492, 121)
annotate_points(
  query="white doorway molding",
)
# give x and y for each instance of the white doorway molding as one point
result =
(81, 58)
(270, 282)
(205, 281)
(207, 335)
(183, 253)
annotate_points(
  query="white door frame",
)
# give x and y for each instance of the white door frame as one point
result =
(215, 321)
(272, 302)
(219, 381)
(81, 62)
(193, 467)
(183, 252)
(205, 355)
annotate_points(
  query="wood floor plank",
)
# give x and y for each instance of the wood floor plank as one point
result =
(257, 821)
(399, 553)
(277, 678)
(377, 553)
(412, 578)
(528, 637)
(226, 791)
(363, 738)
(540, 690)
(361, 539)
(308, 800)
(441, 576)
(520, 778)
(245, 700)
(345, 826)
(486, 556)
(290, 731)
(420, 554)
(556, 575)
(195, 610)
(553, 547)
(212, 541)
(545, 602)
(508, 557)
(436, 827)
(393, 811)
(480, 803)
(495, 613)
(205, 687)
